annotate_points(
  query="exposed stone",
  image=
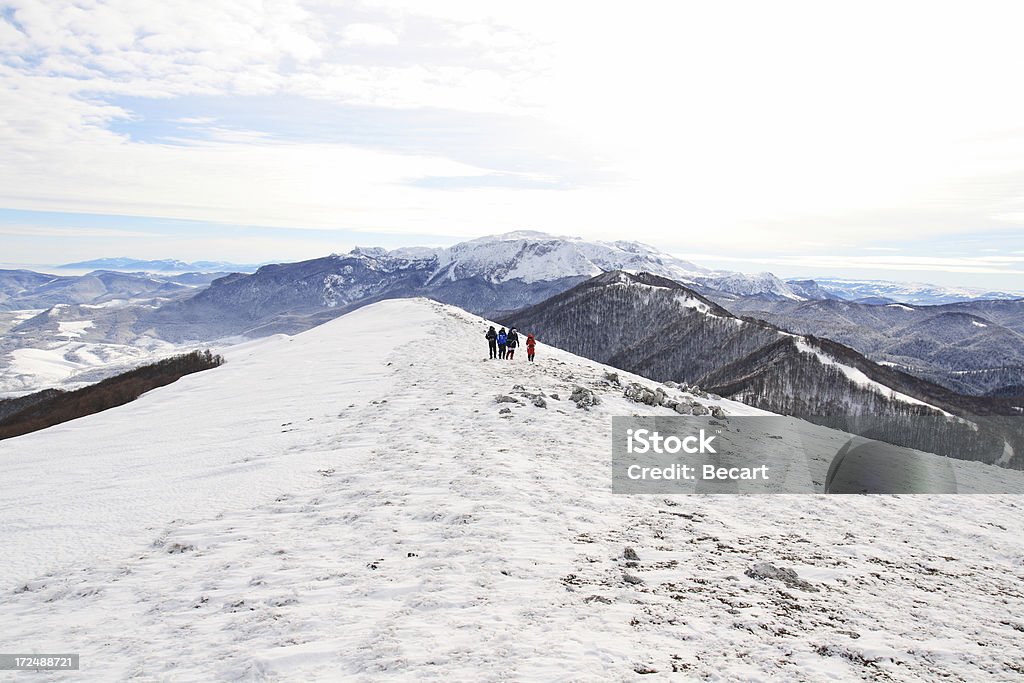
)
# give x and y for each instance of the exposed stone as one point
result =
(597, 598)
(633, 580)
(641, 394)
(584, 398)
(176, 548)
(767, 570)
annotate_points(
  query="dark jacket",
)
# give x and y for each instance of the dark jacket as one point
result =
(491, 335)
(513, 339)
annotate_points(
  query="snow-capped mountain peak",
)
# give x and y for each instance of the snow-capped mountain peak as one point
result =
(749, 285)
(531, 256)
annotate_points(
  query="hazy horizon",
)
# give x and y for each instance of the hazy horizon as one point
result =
(799, 267)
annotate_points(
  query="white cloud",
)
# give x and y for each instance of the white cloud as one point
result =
(196, 120)
(368, 34)
(722, 122)
(72, 232)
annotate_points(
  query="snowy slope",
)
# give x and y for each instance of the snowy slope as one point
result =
(349, 504)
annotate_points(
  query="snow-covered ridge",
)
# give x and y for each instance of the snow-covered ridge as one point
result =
(858, 377)
(344, 504)
(803, 344)
(683, 298)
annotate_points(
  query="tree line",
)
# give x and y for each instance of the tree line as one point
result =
(53, 406)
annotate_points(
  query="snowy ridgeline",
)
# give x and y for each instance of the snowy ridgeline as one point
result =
(353, 502)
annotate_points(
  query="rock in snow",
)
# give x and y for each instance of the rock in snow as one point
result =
(584, 398)
(456, 545)
(767, 570)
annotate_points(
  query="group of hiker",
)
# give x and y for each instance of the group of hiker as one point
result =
(503, 344)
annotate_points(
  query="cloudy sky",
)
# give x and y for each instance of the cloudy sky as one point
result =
(865, 139)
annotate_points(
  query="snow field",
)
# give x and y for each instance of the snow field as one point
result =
(348, 504)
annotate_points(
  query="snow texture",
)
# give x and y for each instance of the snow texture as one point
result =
(348, 504)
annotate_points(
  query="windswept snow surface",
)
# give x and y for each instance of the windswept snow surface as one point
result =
(348, 504)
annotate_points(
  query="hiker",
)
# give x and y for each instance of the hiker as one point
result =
(492, 341)
(531, 346)
(512, 342)
(502, 340)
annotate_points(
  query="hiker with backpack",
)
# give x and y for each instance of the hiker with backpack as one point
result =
(502, 341)
(531, 346)
(512, 341)
(492, 341)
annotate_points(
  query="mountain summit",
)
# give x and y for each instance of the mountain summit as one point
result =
(535, 256)
(485, 275)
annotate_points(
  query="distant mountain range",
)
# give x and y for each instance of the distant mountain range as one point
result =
(485, 276)
(159, 266)
(886, 292)
(766, 286)
(531, 256)
(25, 289)
(974, 347)
(494, 276)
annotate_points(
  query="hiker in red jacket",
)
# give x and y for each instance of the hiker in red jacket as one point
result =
(531, 346)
